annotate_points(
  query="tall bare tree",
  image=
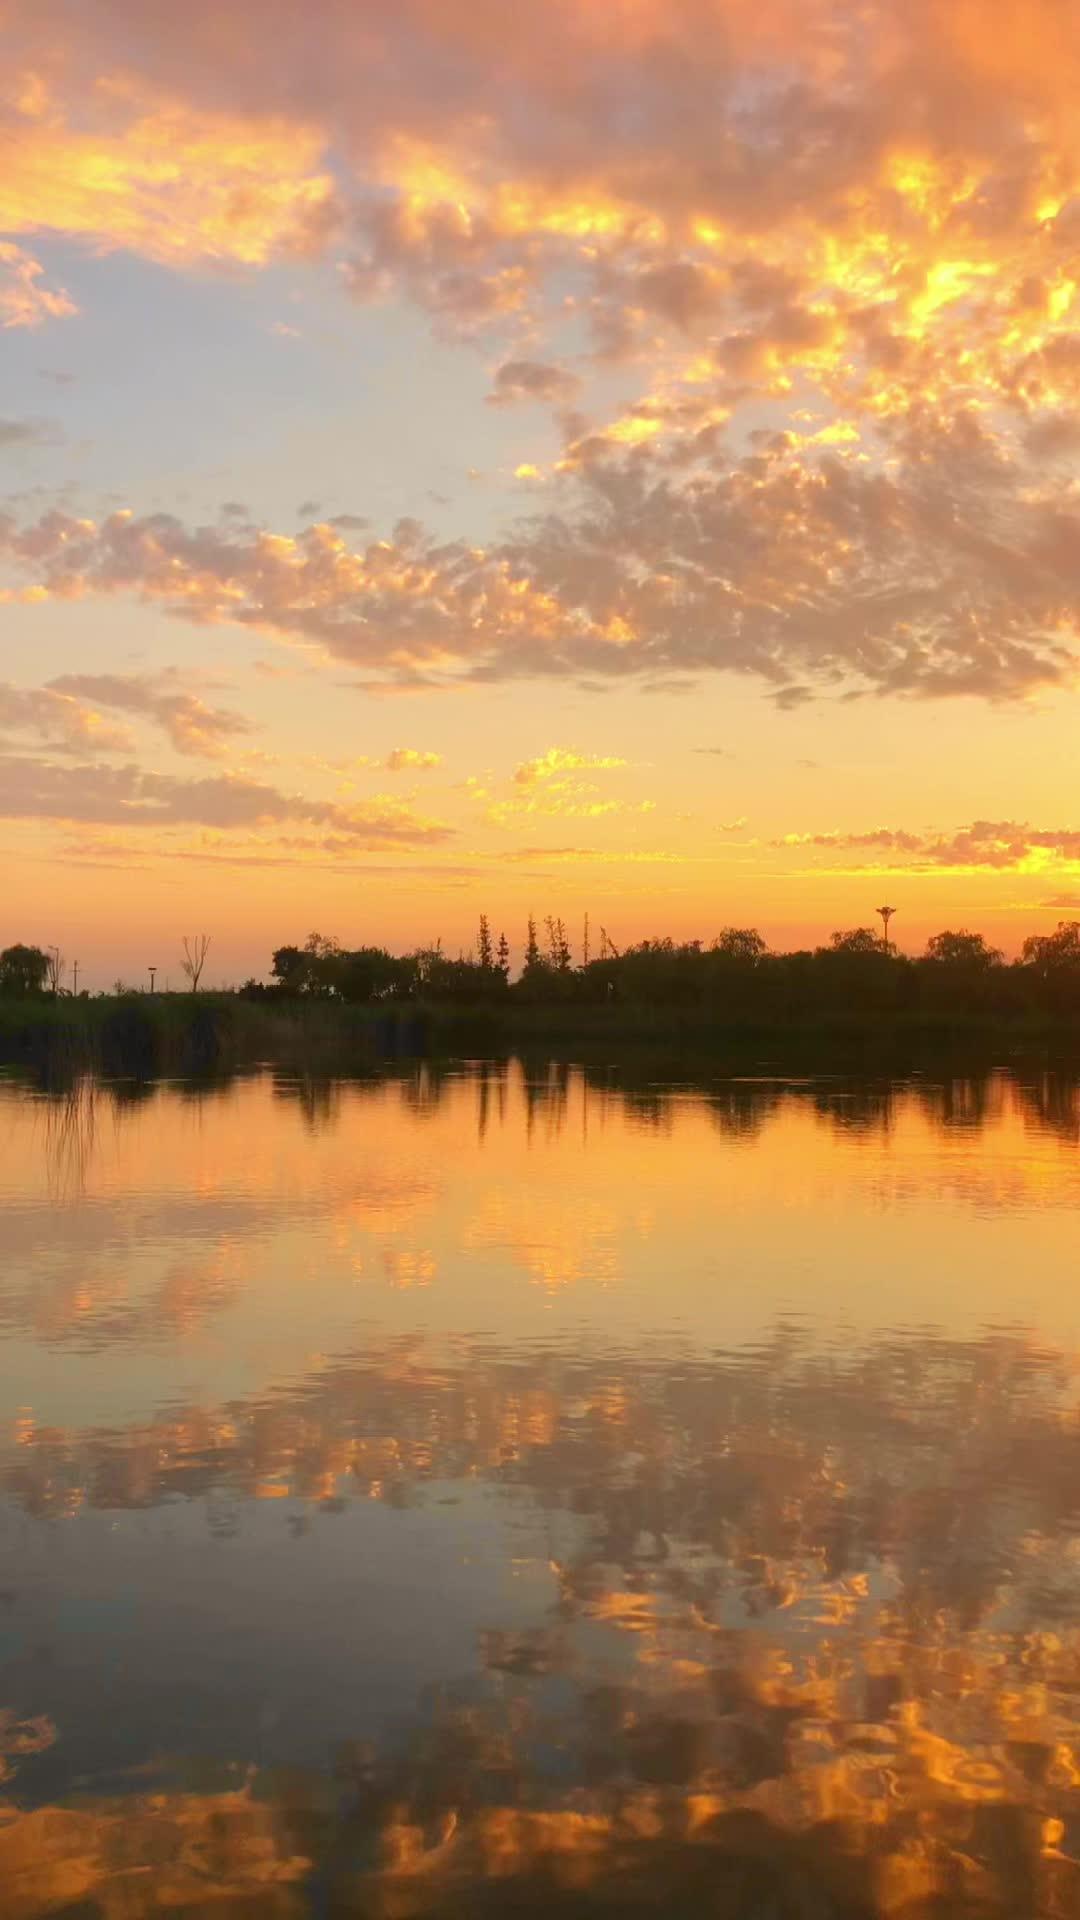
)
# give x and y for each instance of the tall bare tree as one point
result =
(55, 969)
(196, 948)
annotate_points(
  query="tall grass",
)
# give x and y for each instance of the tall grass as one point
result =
(145, 1037)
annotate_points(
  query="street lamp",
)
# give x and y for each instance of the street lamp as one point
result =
(151, 971)
(886, 914)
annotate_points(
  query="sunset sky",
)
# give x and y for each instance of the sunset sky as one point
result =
(610, 455)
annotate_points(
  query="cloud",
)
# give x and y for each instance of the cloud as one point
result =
(331, 853)
(26, 300)
(192, 726)
(22, 433)
(411, 759)
(527, 856)
(876, 837)
(637, 856)
(955, 575)
(129, 796)
(62, 722)
(1004, 844)
(558, 760)
(984, 846)
(129, 164)
(532, 380)
(828, 252)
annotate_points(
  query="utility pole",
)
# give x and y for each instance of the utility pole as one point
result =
(74, 979)
(151, 971)
(885, 914)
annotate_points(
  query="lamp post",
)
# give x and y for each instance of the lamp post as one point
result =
(886, 914)
(151, 971)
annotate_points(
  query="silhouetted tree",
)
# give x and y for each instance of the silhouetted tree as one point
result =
(484, 951)
(312, 970)
(289, 968)
(962, 950)
(368, 973)
(196, 948)
(504, 956)
(55, 969)
(532, 947)
(741, 943)
(559, 955)
(1053, 960)
(856, 940)
(23, 970)
(1054, 953)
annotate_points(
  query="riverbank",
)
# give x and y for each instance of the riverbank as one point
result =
(142, 1036)
(147, 1036)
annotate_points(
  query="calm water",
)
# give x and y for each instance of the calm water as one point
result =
(490, 1491)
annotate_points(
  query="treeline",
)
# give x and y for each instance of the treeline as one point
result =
(733, 979)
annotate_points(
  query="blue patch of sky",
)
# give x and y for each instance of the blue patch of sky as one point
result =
(183, 395)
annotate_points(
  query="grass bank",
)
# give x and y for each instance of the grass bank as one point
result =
(853, 1041)
(143, 1036)
(148, 1036)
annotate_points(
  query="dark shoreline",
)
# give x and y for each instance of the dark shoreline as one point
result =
(143, 1036)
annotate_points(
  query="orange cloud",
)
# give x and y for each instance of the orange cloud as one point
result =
(990, 846)
(832, 250)
(24, 300)
(176, 184)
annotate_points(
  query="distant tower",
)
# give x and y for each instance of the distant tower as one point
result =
(885, 914)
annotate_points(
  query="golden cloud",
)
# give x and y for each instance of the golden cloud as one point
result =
(559, 760)
(858, 226)
(411, 760)
(161, 178)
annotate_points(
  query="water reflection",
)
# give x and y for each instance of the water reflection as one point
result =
(509, 1489)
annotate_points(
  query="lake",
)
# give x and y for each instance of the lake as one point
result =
(507, 1489)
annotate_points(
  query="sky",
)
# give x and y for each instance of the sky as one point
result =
(614, 457)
